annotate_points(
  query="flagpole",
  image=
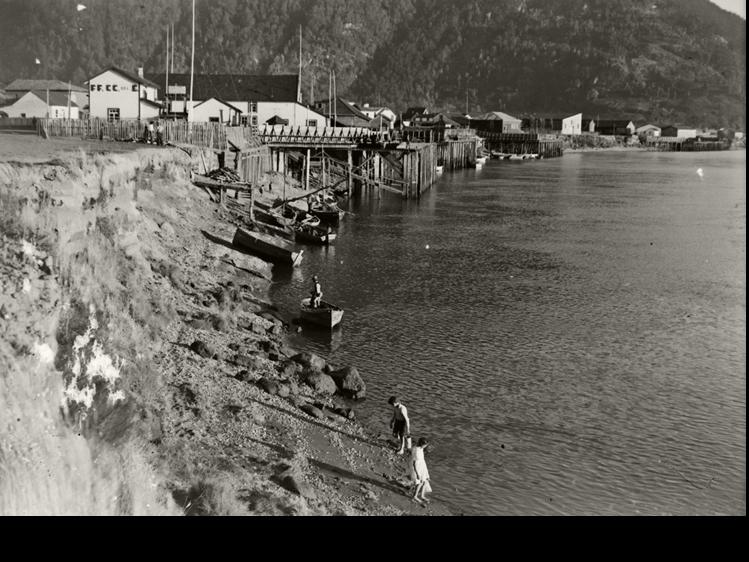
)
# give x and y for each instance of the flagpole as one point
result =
(166, 91)
(192, 64)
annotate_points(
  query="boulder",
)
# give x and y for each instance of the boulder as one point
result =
(203, 349)
(310, 410)
(167, 229)
(251, 362)
(245, 376)
(283, 390)
(321, 383)
(309, 360)
(349, 382)
(269, 386)
(289, 369)
(294, 482)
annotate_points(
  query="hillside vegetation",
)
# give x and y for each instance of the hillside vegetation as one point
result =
(649, 60)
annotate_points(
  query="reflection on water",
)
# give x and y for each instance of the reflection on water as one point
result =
(572, 338)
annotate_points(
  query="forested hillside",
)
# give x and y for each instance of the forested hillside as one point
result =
(654, 60)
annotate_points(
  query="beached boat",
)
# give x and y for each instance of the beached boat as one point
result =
(205, 181)
(306, 234)
(268, 247)
(327, 316)
(327, 214)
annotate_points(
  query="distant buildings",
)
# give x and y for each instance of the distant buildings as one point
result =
(621, 127)
(648, 131)
(379, 117)
(45, 98)
(679, 131)
(342, 113)
(497, 122)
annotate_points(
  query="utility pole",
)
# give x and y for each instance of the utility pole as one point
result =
(299, 82)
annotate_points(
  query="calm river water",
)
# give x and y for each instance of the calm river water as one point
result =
(568, 333)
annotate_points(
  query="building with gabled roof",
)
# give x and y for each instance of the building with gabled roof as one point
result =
(342, 113)
(20, 86)
(35, 104)
(497, 122)
(615, 127)
(116, 94)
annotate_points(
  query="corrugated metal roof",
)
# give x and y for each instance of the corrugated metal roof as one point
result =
(235, 87)
(27, 85)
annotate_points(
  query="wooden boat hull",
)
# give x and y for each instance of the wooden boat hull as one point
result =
(268, 247)
(332, 218)
(327, 316)
(204, 181)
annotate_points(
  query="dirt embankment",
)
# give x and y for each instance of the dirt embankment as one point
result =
(143, 370)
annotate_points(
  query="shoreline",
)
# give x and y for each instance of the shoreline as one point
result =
(218, 414)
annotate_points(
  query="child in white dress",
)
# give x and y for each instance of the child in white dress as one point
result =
(419, 471)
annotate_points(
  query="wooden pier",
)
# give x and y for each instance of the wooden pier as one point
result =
(678, 144)
(545, 146)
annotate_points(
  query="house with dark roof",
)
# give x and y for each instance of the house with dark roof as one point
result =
(43, 104)
(406, 118)
(621, 127)
(380, 117)
(255, 99)
(342, 113)
(679, 131)
(116, 94)
(497, 122)
(434, 120)
(570, 125)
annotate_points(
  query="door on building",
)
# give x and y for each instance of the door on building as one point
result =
(113, 114)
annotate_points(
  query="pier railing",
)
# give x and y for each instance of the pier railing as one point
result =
(284, 134)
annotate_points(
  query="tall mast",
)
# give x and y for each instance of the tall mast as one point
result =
(166, 91)
(299, 80)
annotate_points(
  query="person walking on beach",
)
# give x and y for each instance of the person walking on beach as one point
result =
(400, 424)
(419, 471)
(316, 293)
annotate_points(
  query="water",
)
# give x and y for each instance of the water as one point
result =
(572, 341)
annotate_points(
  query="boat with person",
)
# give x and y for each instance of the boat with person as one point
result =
(326, 315)
(308, 234)
(269, 247)
(328, 214)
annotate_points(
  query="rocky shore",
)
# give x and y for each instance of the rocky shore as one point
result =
(124, 302)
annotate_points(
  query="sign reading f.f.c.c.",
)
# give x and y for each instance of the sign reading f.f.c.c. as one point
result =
(114, 87)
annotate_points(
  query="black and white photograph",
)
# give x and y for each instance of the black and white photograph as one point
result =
(383, 258)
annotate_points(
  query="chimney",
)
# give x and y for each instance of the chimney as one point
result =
(140, 72)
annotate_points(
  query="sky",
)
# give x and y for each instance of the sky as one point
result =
(735, 6)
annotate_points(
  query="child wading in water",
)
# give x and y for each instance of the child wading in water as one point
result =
(419, 471)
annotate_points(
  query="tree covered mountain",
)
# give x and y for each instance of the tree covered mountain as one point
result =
(649, 60)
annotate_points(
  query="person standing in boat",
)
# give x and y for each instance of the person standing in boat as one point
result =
(316, 292)
(400, 424)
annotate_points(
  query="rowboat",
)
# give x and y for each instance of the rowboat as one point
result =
(328, 214)
(268, 247)
(313, 235)
(205, 181)
(327, 316)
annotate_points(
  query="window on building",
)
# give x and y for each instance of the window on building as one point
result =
(312, 122)
(213, 119)
(245, 120)
(23, 115)
(113, 114)
(253, 107)
(254, 121)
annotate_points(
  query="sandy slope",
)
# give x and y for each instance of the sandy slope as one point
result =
(132, 244)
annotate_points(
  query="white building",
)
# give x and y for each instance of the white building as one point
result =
(21, 86)
(34, 104)
(116, 94)
(374, 113)
(572, 125)
(237, 99)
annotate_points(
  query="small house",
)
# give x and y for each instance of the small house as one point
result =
(56, 105)
(679, 131)
(648, 131)
(497, 122)
(116, 94)
(620, 127)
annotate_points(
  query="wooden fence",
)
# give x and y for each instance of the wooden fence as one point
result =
(205, 135)
(18, 123)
